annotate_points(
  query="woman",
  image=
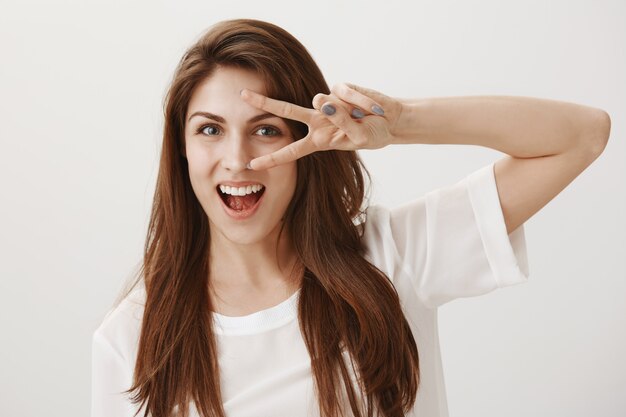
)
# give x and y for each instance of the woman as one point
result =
(269, 287)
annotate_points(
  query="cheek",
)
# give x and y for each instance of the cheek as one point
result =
(199, 159)
(200, 167)
(288, 174)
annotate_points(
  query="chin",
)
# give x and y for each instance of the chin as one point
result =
(252, 232)
(243, 237)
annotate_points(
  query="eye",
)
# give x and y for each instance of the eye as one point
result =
(212, 128)
(276, 132)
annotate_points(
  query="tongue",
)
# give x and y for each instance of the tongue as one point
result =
(242, 202)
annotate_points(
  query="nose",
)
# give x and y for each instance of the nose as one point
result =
(236, 153)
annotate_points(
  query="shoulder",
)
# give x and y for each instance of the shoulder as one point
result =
(376, 220)
(121, 326)
(378, 241)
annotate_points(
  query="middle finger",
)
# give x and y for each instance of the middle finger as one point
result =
(320, 101)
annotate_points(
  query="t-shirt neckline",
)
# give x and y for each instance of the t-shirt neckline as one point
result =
(259, 321)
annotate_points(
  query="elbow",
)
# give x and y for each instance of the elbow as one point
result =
(597, 136)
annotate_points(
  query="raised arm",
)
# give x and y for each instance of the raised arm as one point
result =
(548, 142)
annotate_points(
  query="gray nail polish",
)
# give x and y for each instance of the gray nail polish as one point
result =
(328, 109)
(357, 113)
(378, 110)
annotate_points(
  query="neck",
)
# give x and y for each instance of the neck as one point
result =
(267, 265)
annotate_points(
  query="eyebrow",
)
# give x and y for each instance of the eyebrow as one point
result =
(220, 119)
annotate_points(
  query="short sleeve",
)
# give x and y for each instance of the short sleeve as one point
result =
(453, 243)
(109, 377)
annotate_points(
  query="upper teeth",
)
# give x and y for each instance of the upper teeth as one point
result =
(240, 190)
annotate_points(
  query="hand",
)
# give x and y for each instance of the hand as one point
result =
(336, 131)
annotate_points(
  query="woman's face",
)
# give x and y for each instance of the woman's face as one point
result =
(222, 134)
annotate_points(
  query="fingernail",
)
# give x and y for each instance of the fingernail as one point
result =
(328, 109)
(248, 166)
(357, 113)
(378, 110)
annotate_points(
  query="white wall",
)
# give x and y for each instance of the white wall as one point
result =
(81, 86)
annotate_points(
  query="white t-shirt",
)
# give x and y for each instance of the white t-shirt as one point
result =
(450, 243)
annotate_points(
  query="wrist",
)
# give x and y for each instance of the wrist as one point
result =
(407, 128)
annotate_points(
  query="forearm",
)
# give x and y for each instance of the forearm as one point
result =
(523, 127)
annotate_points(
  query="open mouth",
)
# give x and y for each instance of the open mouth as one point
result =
(241, 199)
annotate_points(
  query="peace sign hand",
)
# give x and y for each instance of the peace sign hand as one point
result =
(369, 129)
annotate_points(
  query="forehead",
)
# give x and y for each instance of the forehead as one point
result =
(220, 91)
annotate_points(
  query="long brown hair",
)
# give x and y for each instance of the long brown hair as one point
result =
(346, 303)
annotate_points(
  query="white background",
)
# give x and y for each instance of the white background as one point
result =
(81, 89)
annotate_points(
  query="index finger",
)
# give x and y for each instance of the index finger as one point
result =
(289, 153)
(277, 107)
